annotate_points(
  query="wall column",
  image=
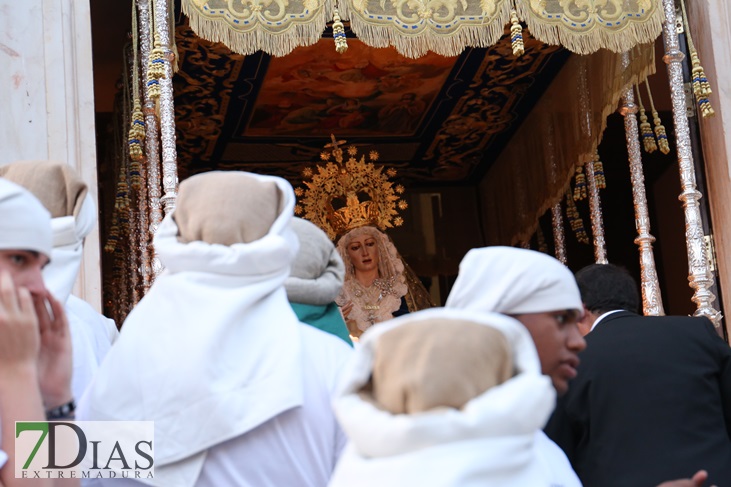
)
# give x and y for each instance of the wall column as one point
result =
(47, 95)
(710, 23)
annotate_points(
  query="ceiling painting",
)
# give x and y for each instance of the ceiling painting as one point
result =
(438, 120)
(364, 92)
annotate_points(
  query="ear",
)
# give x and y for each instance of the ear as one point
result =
(586, 321)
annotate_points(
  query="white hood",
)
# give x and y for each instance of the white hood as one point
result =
(490, 441)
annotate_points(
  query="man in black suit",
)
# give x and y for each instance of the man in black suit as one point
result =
(652, 398)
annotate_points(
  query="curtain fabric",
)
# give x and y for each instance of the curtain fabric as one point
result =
(531, 176)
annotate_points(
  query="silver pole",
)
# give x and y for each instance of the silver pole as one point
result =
(700, 277)
(651, 299)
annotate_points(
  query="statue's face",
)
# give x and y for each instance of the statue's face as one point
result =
(363, 253)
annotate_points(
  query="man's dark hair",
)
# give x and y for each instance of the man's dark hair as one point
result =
(606, 287)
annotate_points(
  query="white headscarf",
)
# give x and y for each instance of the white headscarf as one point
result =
(213, 350)
(24, 223)
(489, 441)
(512, 281)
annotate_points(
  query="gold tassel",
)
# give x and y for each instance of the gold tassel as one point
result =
(155, 69)
(580, 186)
(577, 224)
(119, 215)
(660, 134)
(341, 42)
(135, 169)
(136, 134)
(601, 182)
(701, 86)
(648, 138)
(516, 34)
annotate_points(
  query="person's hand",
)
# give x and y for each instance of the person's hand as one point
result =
(346, 310)
(55, 357)
(697, 480)
(19, 338)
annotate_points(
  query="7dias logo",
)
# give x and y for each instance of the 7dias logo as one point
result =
(84, 449)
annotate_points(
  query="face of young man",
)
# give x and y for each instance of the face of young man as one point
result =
(25, 269)
(558, 341)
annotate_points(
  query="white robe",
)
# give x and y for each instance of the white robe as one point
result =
(213, 352)
(92, 335)
(555, 461)
(299, 447)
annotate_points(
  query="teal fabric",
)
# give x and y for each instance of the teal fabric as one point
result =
(326, 318)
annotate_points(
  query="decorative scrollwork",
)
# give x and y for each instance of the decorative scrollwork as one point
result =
(487, 108)
(201, 98)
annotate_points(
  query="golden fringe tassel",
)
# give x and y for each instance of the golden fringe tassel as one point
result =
(648, 138)
(341, 42)
(155, 69)
(662, 136)
(120, 214)
(642, 32)
(701, 86)
(577, 224)
(580, 187)
(306, 32)
(135, 140)
(418, 44)
(136, 134)
(516, 34)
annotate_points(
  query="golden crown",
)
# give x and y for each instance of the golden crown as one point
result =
(345, 194)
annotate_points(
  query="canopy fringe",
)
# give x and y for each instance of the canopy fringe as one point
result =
(414, 45)
(622, 39)
(301, 32)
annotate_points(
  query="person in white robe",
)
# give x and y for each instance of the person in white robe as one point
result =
(444, 398)
(73, 214)
(541, 293)
(316, 280)
(238, 388)
(35, 342)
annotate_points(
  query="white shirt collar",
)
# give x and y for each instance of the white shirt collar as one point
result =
(602, 316)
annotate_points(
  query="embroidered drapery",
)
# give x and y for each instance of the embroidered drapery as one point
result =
(585, 26)
(531, 176)
(414, 27)
(276, 27)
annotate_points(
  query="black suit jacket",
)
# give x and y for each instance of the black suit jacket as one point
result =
(651, 402)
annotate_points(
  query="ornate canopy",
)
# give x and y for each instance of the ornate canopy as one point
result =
(414, 27)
